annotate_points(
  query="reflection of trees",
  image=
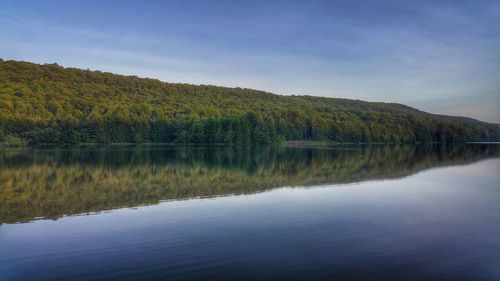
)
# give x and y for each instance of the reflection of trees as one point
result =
(55, 182)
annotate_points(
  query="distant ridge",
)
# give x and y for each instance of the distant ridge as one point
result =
(52, 104)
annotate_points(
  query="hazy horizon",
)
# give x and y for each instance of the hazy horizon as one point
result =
(441, 57)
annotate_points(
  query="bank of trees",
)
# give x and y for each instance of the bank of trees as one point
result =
(52, 104)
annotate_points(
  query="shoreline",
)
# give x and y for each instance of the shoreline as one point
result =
(290, 144)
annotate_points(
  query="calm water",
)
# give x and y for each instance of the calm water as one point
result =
(165, 213)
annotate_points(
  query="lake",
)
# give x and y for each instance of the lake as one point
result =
(220, 213)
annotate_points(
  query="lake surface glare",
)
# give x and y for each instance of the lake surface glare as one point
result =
(221, 213)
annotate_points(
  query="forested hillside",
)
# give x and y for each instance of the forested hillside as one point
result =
(51, 104)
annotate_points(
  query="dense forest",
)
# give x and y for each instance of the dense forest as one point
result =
(52, 104)
(51, 183)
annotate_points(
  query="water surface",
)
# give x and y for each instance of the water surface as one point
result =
(169, 213)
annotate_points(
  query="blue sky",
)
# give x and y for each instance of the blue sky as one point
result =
(438, 56)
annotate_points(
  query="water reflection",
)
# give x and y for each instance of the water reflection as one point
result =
(51, 183)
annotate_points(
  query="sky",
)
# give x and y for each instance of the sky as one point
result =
(438, 56)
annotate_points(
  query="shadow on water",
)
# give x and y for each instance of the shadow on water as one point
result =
(51, 183)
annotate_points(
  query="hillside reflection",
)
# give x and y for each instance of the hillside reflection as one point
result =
(51, 183)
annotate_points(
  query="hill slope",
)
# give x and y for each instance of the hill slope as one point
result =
(51, 104)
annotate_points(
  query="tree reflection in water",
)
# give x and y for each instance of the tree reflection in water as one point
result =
(53, 182)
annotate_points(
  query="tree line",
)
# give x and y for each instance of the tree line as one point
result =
(52, 104)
